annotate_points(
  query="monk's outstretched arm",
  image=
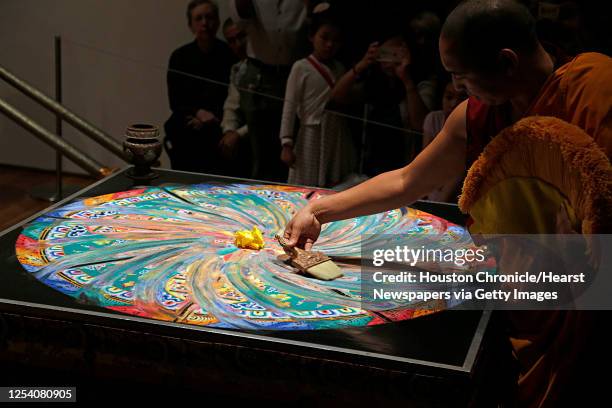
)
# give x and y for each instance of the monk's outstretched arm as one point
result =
(442, 160)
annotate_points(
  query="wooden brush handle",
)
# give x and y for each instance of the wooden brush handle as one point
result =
(285, 244)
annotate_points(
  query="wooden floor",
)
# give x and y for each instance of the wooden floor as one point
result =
(17, 185)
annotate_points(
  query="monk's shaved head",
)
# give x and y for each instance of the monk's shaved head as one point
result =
(479, 29)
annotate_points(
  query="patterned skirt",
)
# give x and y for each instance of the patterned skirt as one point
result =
(325, 154)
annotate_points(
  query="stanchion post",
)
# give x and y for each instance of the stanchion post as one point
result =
(58, 118)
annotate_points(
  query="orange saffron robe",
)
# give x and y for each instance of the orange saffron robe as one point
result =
(549, 344)
(579, 92)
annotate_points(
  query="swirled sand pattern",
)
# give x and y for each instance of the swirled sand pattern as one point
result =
(167, 253)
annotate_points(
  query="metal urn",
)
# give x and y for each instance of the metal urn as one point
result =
(142, 148)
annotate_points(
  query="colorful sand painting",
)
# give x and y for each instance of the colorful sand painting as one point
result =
(168, 253)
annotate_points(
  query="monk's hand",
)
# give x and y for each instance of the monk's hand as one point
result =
(303, 229)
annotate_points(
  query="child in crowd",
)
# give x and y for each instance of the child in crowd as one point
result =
(433, 123)
(435, 120)
(322, 154)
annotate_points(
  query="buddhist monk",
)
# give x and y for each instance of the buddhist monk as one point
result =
(492, 52)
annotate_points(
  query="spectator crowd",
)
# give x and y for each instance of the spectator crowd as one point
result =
(322, 93)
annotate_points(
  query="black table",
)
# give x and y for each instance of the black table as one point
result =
(451, 358)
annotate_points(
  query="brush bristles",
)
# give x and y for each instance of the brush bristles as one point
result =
(327, 270)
